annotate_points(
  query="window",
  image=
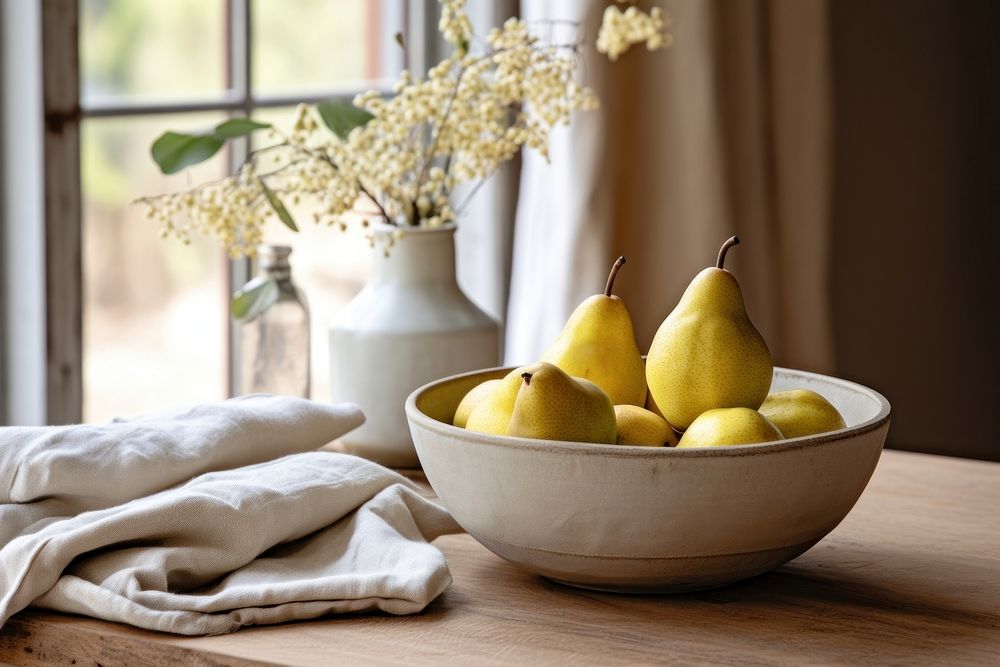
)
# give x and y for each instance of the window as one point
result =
(132, 322)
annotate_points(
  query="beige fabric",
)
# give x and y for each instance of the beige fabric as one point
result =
(95, 522)
(726, 132)
(49, 473)
(564, 225)
(486, 220)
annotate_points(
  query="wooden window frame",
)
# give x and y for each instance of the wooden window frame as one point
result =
(63, 111)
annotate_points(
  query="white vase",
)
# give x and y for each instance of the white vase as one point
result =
(410, 325)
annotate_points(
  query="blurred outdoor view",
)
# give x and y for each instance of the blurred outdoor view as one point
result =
(156, 312)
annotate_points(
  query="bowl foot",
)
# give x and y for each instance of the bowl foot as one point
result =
(678, 588)
(664, 575)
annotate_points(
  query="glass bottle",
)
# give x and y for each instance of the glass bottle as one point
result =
(274, 345)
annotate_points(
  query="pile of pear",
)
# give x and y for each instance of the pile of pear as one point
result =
(703, 383)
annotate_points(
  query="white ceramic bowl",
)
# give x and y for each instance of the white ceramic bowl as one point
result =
(648, 519)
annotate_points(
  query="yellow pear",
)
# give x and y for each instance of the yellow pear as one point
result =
(475, 396)
(649, 403)
(800, 412)
(492, 414)
(598, 344)
(551, 405)
(638, 426)
(729, 426)
(707, 353)
(652, 406)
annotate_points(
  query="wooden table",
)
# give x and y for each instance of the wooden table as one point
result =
(911, 576)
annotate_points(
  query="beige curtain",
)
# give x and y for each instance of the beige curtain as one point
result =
(484, 237)
(726, 132)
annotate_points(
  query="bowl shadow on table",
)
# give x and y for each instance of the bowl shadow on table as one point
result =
(835, 593)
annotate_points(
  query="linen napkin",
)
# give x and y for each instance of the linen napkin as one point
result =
(100, 520)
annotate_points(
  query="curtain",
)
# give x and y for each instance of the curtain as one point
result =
(727, 131)
(486, 230)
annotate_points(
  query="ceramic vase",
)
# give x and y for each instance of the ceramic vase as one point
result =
(411, 324)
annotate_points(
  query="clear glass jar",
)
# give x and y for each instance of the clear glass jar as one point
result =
(274, 344)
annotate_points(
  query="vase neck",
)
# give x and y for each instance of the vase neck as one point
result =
(418, 256)
(272, 262)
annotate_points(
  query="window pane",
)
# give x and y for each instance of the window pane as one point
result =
(347, 42)
(152, 48)
(155, 311)
(329, 265)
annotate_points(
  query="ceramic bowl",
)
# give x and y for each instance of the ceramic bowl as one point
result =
(642, 519)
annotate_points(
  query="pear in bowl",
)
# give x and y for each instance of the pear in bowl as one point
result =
(707, 353)
(724, 427)
(799, 412)
(643, 428)
(598, 344)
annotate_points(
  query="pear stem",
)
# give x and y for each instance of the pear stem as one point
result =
(527, 378)
(730, 242)
(614, 272)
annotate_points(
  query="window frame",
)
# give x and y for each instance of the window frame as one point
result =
(59, 334)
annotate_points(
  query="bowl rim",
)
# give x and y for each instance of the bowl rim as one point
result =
(416, 416)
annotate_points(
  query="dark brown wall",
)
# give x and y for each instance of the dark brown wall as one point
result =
(916, 286)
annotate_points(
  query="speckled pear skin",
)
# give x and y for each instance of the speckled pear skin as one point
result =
(476, 395)
(729, 426)
(598, 344)
(638, 426)
(492, 414)
(551, 405)
(651, 403)
(707, 353)
(801, 412)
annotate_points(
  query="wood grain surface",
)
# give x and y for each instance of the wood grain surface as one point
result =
(912, 576)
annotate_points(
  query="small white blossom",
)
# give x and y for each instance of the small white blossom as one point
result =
(621, 30)
(455, 25)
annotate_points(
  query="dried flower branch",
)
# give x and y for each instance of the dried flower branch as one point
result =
(404, 153)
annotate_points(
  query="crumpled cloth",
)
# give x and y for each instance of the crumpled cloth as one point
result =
(203, 520)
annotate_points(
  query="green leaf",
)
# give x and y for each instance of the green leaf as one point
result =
(254, 298)
(173, 151)
(399, 40)
(278, 207)
(342, 117)
(238, 127)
